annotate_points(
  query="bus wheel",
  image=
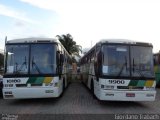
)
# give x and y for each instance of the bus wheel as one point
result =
(92, 89)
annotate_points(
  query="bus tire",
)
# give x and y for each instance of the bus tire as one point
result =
(92, 90)
(63, 88)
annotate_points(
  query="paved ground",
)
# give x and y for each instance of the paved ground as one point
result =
(77, 99)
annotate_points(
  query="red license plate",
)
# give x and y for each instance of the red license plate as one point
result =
(130, 94)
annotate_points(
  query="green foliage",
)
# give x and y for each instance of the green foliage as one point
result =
(69, 44)
(74, 60)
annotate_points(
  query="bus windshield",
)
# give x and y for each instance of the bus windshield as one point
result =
(115, 60)
(17, 59)
(142, 61)
(42, 59)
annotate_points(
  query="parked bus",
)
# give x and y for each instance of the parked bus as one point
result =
(157, 68)
(120, 70)
(35, 68)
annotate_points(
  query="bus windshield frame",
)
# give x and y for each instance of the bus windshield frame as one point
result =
(115, 60)
(30, 59)
(142, 61)
(122, 60)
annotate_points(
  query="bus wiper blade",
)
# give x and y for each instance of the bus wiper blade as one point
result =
(16, 68)
(137, 70)
(35, 65)
(125, 64)
(23, 64)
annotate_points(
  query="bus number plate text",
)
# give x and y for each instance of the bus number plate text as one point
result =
(116, 82)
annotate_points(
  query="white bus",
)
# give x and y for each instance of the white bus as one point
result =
(35, 68)
(119, 70)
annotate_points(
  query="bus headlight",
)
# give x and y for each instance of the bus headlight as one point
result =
(150, 88)
(52, 84)
(48, 84)
(56, 84)
(102, 86)
(149, 95)
(8, 93)
(8, 85)
(107, 87)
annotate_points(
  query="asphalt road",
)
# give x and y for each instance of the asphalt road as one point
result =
(77, 99)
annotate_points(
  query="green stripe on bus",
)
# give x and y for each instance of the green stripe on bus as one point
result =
(39, 80)
(141, 83)
(31, 80)
(133, 83)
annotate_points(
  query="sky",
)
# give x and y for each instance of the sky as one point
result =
(88, 21)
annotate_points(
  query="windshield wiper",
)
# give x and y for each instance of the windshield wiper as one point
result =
(124, 65)
(35, 65)
(16, 68)
(137, 70)
(17, 71)
(23, 64)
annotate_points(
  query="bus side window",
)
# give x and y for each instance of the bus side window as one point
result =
(98, 61)
(154, 60)
(158, 58)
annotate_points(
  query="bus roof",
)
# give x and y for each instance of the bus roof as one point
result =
(118, 41)
(32, 40)
(36, 40)
(123, 41)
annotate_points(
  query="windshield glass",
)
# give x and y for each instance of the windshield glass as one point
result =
(142, 61)
(43, 60)
(115, 60)
(17, 59)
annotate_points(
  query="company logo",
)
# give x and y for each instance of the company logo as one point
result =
(14, 81)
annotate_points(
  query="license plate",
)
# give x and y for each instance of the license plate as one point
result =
(130, 94)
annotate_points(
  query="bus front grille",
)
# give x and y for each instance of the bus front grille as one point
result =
(130, 88)
(36, 85)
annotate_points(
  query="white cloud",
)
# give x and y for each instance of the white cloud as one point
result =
(21, 25)
(54, 5)
(90, 20)
(10, 12)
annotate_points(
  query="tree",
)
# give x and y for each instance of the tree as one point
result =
(69, 44)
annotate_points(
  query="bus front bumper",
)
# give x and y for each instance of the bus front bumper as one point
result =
(113, 95)
(27, 93)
